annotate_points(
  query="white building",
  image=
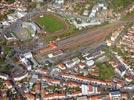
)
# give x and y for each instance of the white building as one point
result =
(9, 36)
(37, 0)
(69, 64)
(28, 60)
(20, 14)
(86, 12)
(4, 76)
(90, 63)
(59, 2)
(89, 89)
(21, 77)
(115, 95)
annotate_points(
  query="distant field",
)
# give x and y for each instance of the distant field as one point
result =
(50, 23)
(118, 5)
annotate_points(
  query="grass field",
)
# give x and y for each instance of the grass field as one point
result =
(67, 33)
(50, 23)
(106, 71)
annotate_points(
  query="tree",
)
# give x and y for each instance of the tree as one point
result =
(1, 84)
(10, 1)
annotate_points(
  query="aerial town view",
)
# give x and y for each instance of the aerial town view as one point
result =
(66, 49)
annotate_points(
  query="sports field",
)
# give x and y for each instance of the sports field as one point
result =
(50, 23)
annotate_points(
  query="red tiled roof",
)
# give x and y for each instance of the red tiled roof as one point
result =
(61, 65)
(53, 45)
(71, 84)
(94, 98)
(53, 95)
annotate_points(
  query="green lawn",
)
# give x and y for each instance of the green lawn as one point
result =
(106, 71)
(51, 37)
(50, 23)
(5, 68)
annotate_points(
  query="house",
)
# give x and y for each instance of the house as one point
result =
(37, 0)
(35, 76)
(5, 23)
(20, 14)
(99, 97)
(75, 94)
(51, 81)
(121, 70)
(61, 66)
(81, 65)
(76, 60)
(55, 53)
(28, 60)
(71, 84)
(89, 89)
(86, 12)
(84, 72)
(124, 96)
(53, 96)
(31, 83)
(11, 18)
(94, 73)
(37, 87)
(8, 84)
(55, 72)
(89, 57)
(59, 2)
(29, 96)
(84, 89)
(82, 98)
(115, 95)
(90, 63)
(24, 88)
(4, 76)
(69, 64)
(9, 36)
(20, 77)
(128, 79)
(95, 97)
(42, 71)
(51, 47)
(87, 80)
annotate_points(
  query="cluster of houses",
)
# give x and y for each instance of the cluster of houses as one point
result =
(128, 40)
(130, 8)
(90, 17)
(43, 88)
(19, 12)
(123, 44)
(68, 79)
(4, 6)
(114, 36)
